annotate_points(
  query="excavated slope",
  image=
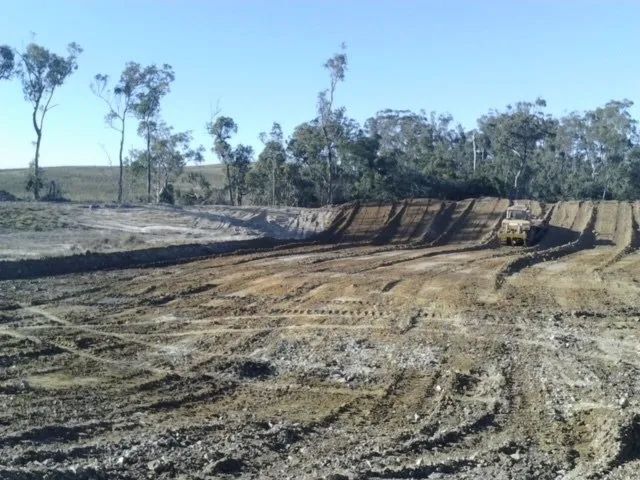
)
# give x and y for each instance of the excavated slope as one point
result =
(417, 223)
(402, 342)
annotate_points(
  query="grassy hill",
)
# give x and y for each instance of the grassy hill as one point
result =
(98, 184)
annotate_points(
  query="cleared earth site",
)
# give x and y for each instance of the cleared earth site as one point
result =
(386, 341)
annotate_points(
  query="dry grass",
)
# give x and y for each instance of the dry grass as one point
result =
(97, 184)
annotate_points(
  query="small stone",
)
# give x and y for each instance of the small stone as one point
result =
(516, 456)
(438, 388)
(158, 466)
(623, 402)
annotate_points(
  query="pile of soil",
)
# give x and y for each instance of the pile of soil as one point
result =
(7, 197)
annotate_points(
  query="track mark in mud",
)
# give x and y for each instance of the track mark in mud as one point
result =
(454, 224)
(78, 352)
(391, 226)
(388, 286)
(429, 232)
(585, 240)
(93, 331)
(30, 354)
(54, 433)
(630, 237)
(197, 289)
(422, 471)
(449, 437)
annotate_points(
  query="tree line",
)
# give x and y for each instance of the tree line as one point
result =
(520, 151)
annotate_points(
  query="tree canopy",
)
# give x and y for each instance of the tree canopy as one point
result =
(518, 151)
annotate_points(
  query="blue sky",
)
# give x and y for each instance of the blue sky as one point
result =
(262, 61)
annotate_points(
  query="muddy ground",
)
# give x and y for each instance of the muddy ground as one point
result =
(408, 345)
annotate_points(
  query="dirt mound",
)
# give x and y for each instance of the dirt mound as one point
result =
(160, 235)
(7, 197)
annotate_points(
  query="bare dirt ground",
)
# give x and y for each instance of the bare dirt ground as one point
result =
(37, 230)
(408, 345)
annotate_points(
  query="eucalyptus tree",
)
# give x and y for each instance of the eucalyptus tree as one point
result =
(517, 136)
(329, 117)
(609, 135)
(170, 151)
(273, 156)
(121, 102)
(241, 163)
(222, 129)
(430, 143)
(156, 83)
(41, 73)
(7, 62)
(305, 147)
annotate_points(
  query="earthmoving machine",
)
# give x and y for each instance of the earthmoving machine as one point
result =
(520, 226)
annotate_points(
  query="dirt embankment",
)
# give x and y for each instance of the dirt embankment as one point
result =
(139, 236)
(392, 356)
(39, 238)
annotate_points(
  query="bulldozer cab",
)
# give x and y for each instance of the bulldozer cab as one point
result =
(517, 213)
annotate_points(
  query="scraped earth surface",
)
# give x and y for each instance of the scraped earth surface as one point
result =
(36, 230)
(406, 344)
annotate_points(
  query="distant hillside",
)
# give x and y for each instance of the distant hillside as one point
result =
(97, 184)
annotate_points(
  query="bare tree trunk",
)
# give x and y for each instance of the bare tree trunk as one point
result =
(330, 161)
(229, 183)
(120, 179)
(273, 184)
(36, 186)
(148, 165)
(475, 153)
(515, 184)
(36, 173)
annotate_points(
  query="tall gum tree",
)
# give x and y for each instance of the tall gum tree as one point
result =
(337, 66)
(517, 136)
(241, 163)
(121, 101)
(41, 73)
(222, 129)
(274, 155)
(156, 84)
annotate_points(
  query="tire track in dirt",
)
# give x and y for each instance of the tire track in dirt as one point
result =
(120, 365)
(626, 236)
(565, 235)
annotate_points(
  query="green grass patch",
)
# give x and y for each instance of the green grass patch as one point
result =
(99, 184)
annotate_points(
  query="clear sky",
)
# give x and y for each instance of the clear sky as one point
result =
(262, 61)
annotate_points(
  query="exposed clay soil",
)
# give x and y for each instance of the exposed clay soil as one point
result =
(403, 343)
(39, 230)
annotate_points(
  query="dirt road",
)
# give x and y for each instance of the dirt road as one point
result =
(406, 345)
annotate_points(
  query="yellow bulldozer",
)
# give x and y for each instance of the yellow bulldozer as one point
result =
(520, 226)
